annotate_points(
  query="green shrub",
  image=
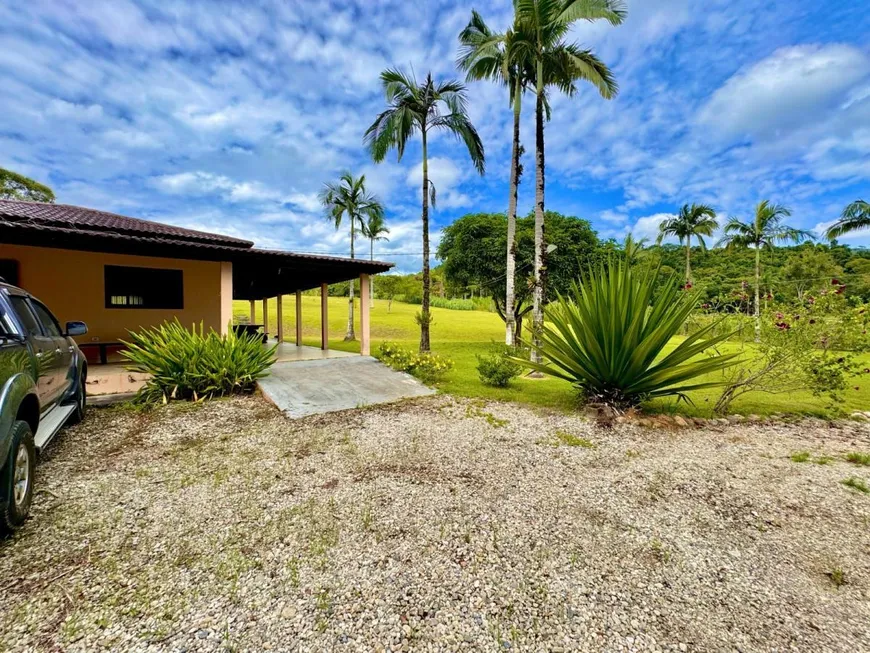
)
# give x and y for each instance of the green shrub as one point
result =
(496, 369)
(609, 336)
(194, 364)
(426, 366)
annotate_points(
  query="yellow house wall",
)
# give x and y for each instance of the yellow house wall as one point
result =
(71, 284)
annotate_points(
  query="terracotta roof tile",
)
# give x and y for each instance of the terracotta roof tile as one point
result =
(62, 215)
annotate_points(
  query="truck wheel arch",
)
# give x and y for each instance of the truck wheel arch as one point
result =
(28, 411)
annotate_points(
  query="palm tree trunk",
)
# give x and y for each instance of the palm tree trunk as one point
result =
(424, 311)
(350, 334)
(689, 260)
(758, 294)
(510, 337)
(540, 245)
(372, 277)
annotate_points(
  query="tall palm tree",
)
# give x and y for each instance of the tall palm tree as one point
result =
(484, 54)
(541, 27)
(422, 108)
(374, 229)
(855, 216)
(697, 220)
(764, 232)
(348, 198)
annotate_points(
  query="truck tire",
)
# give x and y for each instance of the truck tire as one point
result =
(80, 400)
(16, 479)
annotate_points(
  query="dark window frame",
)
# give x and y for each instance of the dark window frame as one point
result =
(143, 288)
(12, 279)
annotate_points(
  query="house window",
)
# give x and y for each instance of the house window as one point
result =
(128, 287)
(9, 271)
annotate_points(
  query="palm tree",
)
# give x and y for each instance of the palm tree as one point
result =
(764, 232)
(484, 54)
(374, 229)
(697, 220)
(348, 198)
(422, 108)
(855, 216)
(541, 27)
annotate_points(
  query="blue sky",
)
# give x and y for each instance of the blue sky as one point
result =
(230, 116)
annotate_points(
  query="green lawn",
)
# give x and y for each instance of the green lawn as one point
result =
(460, 335)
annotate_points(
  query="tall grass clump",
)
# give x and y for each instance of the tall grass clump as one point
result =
(608, 335)
(195, 364)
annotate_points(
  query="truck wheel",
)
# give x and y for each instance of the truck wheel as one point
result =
(16, 479)
(80, 400)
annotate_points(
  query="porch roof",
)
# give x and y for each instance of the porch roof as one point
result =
(257, 273)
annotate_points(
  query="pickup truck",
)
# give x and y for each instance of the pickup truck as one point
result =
(42, 387)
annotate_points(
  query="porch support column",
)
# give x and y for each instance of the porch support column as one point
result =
(266, 316)
(324, 317)
(253, 312)
(364, 321)
(298, 318)
(280, 317)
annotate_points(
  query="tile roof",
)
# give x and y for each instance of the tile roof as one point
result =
(73, 217)
(220, 249)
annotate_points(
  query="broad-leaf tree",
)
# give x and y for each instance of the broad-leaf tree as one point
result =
(696, 220)
(375, 229)
(472, 250)
(855, 216)
(348, 200)
(422, 108)
(484, 54)
(14, 186)
(765, 231)
(541, 27)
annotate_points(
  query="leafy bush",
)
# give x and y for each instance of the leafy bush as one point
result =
(454, 304)
(608, 337)
(803, 346)
(194, 364)
(426, 366)
(496, 368)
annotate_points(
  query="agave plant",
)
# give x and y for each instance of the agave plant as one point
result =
(608, 337)
(195, 364)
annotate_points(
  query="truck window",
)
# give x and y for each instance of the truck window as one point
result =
(49, 322)
(25, 315)
(7, 327)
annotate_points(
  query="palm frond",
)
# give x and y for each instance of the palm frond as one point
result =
(855, 216)
(613, 11)
(460, 126)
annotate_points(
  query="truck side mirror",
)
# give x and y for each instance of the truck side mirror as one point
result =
(76, 328)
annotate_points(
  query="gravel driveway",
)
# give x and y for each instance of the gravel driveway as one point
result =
(439, 525)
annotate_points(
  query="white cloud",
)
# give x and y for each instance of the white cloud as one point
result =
(58, 108)
(307, 201)
(784, 91)
(613, 217)
(648, 227)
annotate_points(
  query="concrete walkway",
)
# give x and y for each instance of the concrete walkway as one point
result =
(310, 387)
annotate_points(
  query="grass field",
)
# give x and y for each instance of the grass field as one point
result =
(460, 335)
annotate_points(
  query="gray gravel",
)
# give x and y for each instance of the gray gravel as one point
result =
(439, 524)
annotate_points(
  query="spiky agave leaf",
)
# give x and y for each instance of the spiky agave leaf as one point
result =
(608, 336)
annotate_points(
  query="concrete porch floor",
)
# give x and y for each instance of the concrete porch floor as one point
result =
(311, 387)
(114, 379)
